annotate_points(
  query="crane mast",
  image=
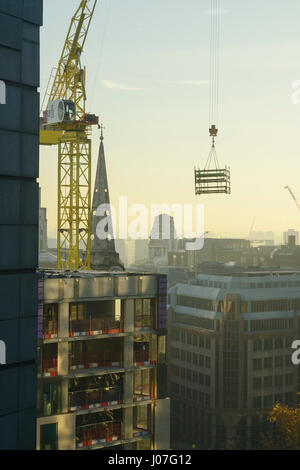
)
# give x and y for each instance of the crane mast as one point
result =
(65, 123)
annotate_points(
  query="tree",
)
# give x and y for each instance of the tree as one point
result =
(284, 432)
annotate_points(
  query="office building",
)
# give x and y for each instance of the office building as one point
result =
(229, 354)
(102, 361)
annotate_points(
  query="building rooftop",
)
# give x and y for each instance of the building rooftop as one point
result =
(58, 274)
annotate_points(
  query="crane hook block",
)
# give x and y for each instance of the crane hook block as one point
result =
(213, 131)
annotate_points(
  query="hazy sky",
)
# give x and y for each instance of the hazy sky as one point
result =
(148, 70)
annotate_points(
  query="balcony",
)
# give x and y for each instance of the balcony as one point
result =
(49, 367)
(91, 435)
(50, 329)
(94, 360)
(96, 398)
(94, 327)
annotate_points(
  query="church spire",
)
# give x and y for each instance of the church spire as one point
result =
(103, 252)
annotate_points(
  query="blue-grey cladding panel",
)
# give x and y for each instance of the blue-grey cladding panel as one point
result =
(30, 10)
(25, 151)
(33, 11)
(20, 337)
(19, 247)
(21, 111)
(12, 7)
(18, 296)
(10, 64)
(18, 202)
(11, 31)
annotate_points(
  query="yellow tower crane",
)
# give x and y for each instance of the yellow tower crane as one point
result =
(65, 123)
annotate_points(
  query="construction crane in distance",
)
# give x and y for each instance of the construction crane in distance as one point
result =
(293, 196)
(66, 123)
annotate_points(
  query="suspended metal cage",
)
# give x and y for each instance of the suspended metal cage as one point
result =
(212, 180)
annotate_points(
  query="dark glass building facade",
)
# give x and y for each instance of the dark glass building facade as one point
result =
(20, 22)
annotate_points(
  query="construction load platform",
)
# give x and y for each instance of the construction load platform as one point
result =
(213, 181)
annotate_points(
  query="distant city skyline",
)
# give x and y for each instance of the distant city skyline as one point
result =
(148, 79)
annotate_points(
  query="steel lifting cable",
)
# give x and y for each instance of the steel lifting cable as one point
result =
(214, 79)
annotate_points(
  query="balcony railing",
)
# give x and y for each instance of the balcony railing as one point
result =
(95, 360)
(92, 435)
(147, 392)
(143, 323)
(50, 330)
(142, 357)
(89, 399)
(96, 326)
(49, 367)
(138, 432)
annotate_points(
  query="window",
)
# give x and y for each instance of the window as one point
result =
(278, 343)
(279, 361)
(268, 344)
(207, 343)
(189, 374)
(278, 324)
(195, 340)
(289, 379)
(207, 399)
(195, 358)
(207, 362)
(182, 336)
(268, 381)
(256, 383)
(201, 360)
(144, 309)
(288, 360)
(268, 400)
(175, 353)
(195, 376)
(268, 362)
(257, 364)
(182, 355)
(278, 380)
(278, 397)
(193, 302)
(288, 341)
(207, 380)
(201, 379)
(289, 398)
(182, 373)
(49, 439)
(77, 312)
(257, 345)
(257, 402)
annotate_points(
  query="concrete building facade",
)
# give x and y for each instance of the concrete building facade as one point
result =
(20, 21)
(102, 361)
(229, 355)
